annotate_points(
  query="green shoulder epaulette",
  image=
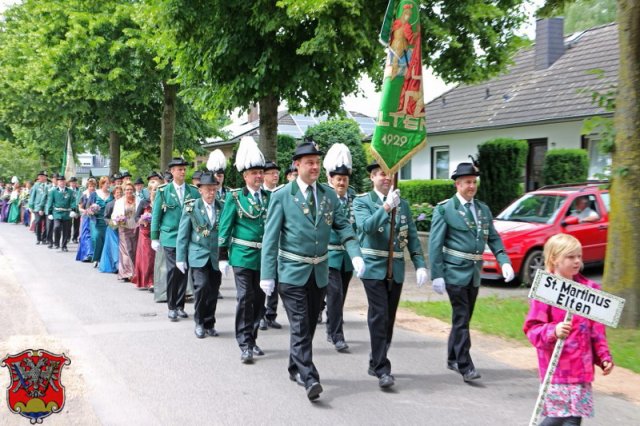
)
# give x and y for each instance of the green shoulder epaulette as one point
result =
(162, 187)
(362, 195)
(443, 201)
(193, 186)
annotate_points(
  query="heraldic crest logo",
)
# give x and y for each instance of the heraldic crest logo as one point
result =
(36, 390)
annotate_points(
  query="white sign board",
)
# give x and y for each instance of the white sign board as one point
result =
(576, 298)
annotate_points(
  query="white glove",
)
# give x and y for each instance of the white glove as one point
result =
(438, 285)
(267, 286)
(73, 215)
(182, 266)
(422, 275)
(155, 245)
(507, 272)
(393, 198)
(223, 266)
(358, 266)
(50, 217)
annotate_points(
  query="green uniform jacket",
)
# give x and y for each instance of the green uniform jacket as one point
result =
(38, 198)
(60, 203)
(450, 228)
(167, 212)
(243, 219)
(291, 228)
(339, 258)
(373, 224)
(197, 240)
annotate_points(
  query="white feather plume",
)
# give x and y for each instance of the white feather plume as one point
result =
(248, 154)
(14, 180)
(216, 161)
(338, 155)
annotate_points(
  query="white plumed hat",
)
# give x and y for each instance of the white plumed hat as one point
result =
(217, 161)
(249, 155)
(337, 161)
(14, 180)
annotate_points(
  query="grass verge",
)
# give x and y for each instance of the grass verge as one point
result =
(504, 317)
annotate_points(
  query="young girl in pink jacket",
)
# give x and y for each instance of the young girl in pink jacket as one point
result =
(569, 397)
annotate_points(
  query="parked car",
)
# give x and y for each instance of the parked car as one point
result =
(527, 223)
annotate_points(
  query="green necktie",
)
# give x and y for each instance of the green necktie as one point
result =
(311, 202)
(467, 207)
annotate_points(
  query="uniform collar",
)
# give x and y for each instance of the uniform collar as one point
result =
(303, 186)
(463, 201)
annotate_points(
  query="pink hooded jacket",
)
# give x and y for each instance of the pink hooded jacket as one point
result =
(585, 346)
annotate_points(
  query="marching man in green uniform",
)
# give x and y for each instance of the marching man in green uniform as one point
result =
(296, 239)
(241, 230)
(49, 231)
(197, 249)
(373, 217)
(167, 211)
(460, 229)
(37, 204)
(77, 194)
(337, 163)
(270, 184)
(216, 164)
(61, 205)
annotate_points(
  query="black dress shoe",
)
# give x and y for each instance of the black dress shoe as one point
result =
(453, 366)
(274, 324)
(341, 346)
(211, 332)
(172, 315)
(50, 246)
(247, 356)
(296, 378)
(65, 249)
(257, 350)
(313, 391)
(371, 372)
(182, 313)
(386, 381)
(199, 332)
(263, 324)
(471, 375)
(38, 243)
(151, 289)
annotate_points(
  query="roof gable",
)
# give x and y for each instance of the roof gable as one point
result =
(524, 96)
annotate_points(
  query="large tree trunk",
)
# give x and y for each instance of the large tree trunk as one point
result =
(170, 92)
(622, 269)
(114, 152)
(268, 142)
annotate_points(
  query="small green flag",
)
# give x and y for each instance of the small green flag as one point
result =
(401, 127)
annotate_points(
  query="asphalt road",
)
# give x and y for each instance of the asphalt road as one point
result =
(130, 365)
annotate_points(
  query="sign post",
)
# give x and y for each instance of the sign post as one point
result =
(577, 299)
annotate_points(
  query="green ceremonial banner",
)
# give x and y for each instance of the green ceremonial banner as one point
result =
(401, 128)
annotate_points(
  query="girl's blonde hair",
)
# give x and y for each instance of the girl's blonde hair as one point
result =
(558, 246)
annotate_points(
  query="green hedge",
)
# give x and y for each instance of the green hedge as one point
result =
(565, 166)
(502, 162)
(426, 191)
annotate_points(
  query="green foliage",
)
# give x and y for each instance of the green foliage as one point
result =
(582, 14)
(422, 215)
(17, 161)
(346, 132)
(286, 147)
(565, 166)
(502, 162)
(426, 191)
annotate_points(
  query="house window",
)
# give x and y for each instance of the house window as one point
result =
(405, 171)
(440, 162)
(599, 162)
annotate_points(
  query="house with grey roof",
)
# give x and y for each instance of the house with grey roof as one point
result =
(543, 98)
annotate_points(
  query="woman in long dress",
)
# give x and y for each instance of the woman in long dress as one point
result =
(4, 203)
(98, 223)
(145, 256)
(110, 252)
(14, 205)
(85, 246)
(25, 214)
(124, 215)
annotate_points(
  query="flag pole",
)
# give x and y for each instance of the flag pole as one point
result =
(392, 229)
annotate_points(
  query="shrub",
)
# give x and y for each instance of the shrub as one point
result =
(422, 214)
(426, 191)
(347, 132)
(502, 161)
(565, 166)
